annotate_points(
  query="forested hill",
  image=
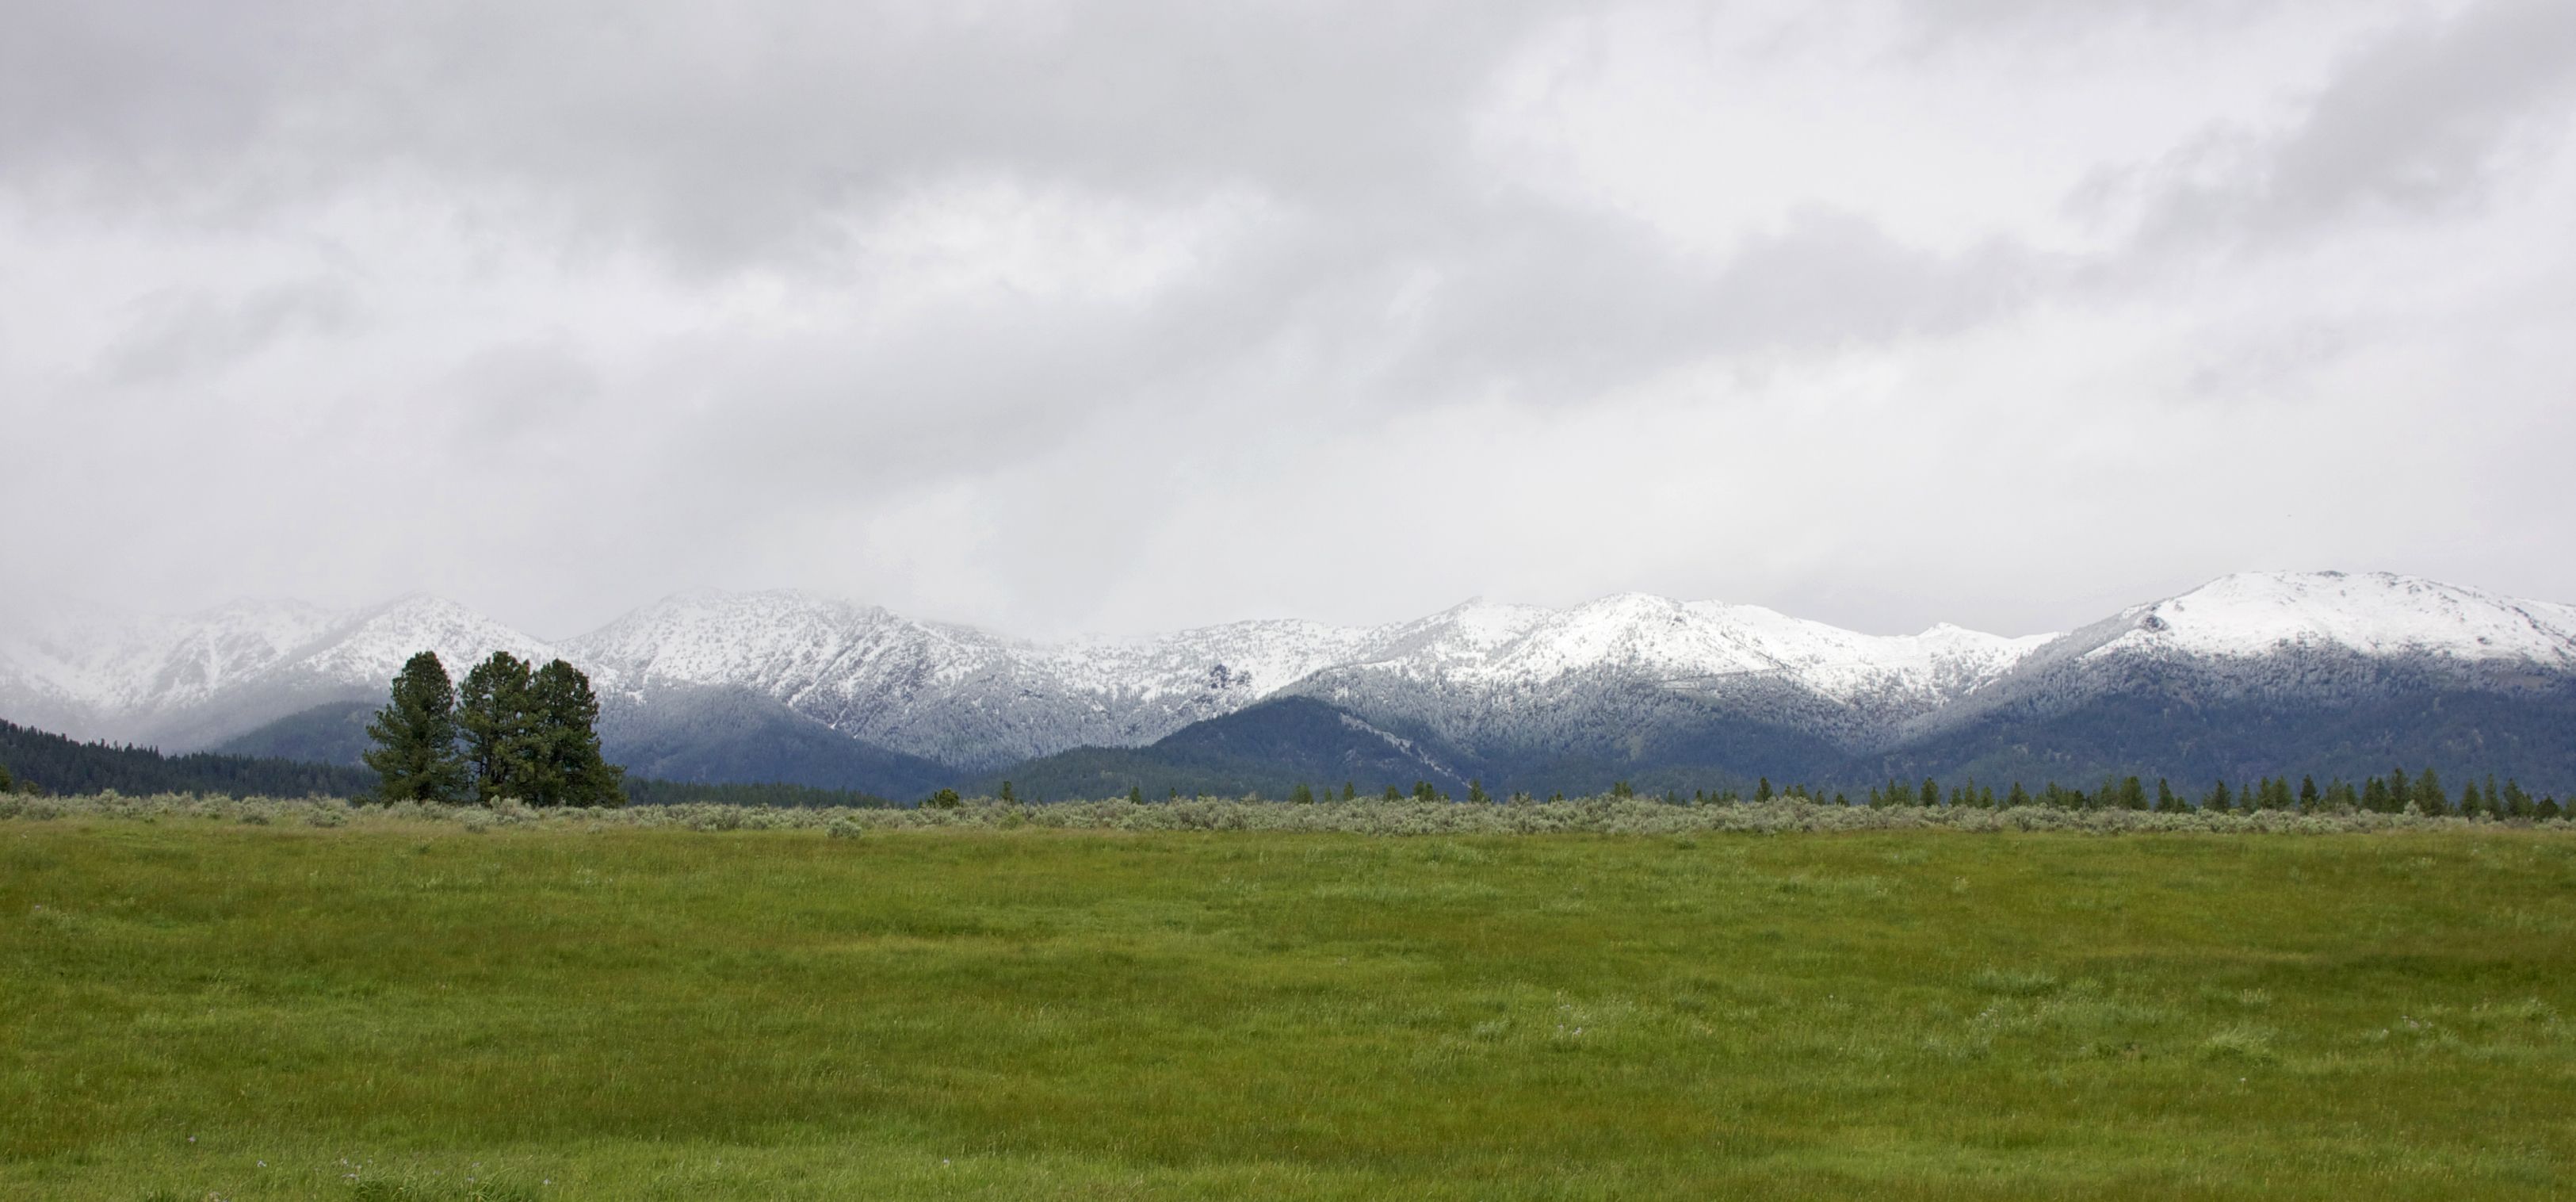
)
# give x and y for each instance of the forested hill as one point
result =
(55, 764)
(60, 765)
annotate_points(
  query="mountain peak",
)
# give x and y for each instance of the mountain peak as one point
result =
(2371, 613)
(1477, 669)
(372, 644)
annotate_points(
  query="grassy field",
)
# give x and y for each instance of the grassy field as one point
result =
(397, 1009)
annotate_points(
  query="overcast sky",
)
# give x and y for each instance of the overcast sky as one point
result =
(1115, 317)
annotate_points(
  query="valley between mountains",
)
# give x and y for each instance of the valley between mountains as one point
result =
(2250, 675)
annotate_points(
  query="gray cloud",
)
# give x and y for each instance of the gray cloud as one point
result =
(2411, 125)
(183, 331)
(726, 131)
(1126, 314)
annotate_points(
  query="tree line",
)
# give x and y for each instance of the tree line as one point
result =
(43, 762)
(2397, 793)
(510, 731)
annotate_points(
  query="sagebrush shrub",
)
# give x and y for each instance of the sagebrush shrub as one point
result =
(1371, 816)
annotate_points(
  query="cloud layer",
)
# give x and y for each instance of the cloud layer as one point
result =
(1119, 316)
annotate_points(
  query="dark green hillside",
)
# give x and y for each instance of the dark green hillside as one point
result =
(60, 765)
(2169, 730)
(55, 764)
(735, 736)
(709, 737)
(1717, 754)
(1269, 749)
(646, 791)
(2464, 735)
(331, 733)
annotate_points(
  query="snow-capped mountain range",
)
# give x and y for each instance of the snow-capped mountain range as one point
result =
(190, 681)
(1607, 679)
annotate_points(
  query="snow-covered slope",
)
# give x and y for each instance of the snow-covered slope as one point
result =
(1518, 680)
(2374, 614)
(948, 692)
(979, 701)
(369, 646)
(1622, 674)
(2328, 638)
(96, 660)
(1687, 645)
(193, 680)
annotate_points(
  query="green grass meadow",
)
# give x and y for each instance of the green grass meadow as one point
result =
(397, 1010)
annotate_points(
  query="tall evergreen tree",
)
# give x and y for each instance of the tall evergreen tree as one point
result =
(415, 736)
(2429, 795)
(501, 744)
(565, 718)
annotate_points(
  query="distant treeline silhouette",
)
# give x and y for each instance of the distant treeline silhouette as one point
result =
(47, 762)
(37, 761)
(2397, 793)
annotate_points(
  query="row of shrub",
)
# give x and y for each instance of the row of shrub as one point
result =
(1593, 815)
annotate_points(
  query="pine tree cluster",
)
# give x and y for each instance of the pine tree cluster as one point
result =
(511, 731)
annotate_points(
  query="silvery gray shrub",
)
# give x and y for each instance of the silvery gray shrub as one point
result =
(1591, 815)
